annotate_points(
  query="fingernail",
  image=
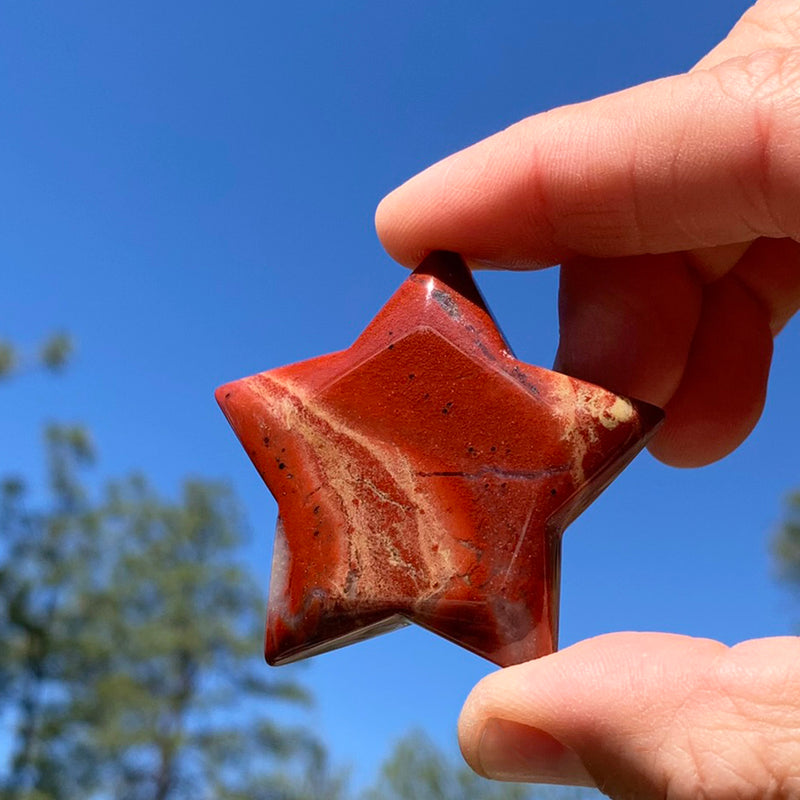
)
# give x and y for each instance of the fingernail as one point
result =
(510, 751)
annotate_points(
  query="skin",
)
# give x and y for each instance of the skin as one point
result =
(673, 209)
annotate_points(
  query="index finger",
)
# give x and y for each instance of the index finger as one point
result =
(689, 161)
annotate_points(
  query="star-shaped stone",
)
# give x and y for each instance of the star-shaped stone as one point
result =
(426, 475)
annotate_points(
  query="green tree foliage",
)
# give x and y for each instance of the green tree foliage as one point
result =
(8, 358)
(44, 556)
(130, 665)
(418, 770)
(53, 354)
(786, 546)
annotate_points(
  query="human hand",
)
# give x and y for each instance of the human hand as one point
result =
(673, 209)
(645, 716)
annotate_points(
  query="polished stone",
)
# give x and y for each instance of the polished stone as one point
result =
(426, 475)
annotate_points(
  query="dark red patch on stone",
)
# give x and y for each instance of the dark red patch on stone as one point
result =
(426, 475)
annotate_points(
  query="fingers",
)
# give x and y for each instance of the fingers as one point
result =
(767, 24)
(628, 323)
(702, 163)
(690, 161)
(770, 269)
(723, 388)
(645, 716)
(647, 327)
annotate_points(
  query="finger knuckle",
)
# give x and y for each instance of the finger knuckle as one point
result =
(766, 85)
(772, 78)
(737, 738)
(778, 19)
(715, 762)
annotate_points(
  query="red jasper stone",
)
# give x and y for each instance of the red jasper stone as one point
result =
(426, 475)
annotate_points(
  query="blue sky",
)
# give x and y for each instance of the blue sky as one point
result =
(188, 188)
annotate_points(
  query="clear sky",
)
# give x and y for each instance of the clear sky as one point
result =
(189, 188)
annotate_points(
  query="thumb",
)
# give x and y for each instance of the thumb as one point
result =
(643, 715)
